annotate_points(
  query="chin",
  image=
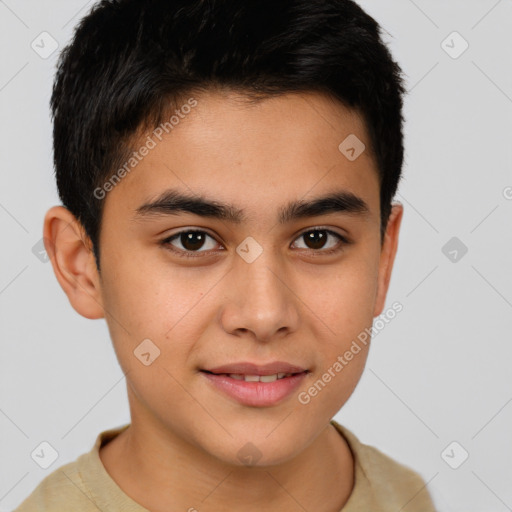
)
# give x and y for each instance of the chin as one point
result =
(262, 451)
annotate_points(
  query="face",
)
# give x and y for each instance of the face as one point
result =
(254, 285)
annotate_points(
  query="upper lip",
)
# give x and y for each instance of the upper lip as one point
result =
(245, 368)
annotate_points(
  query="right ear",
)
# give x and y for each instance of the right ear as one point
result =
(72, 257)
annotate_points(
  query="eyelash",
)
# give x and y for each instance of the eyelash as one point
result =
(195, 254)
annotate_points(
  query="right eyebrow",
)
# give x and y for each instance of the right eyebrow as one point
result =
(172, 202)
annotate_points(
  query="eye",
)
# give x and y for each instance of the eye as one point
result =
(190, 241)
(317, 240)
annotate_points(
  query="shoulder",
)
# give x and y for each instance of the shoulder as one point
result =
(59, 491)
(80, 486)
(379, 467)
(381, 480)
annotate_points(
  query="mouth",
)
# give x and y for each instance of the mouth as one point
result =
(258, 370)
(255, 378)
(256, 385)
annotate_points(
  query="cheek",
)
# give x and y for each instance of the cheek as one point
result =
(345, 300)
(345, 304)
(149, 300)
(141, 291)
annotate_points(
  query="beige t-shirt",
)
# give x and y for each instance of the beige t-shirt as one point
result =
(380, 484)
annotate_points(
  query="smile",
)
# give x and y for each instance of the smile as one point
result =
(257, 378)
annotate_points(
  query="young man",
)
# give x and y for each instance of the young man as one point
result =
(227, 171)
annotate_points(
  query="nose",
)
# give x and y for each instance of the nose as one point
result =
(261, 302)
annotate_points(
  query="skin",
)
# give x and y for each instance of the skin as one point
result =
(293, 303)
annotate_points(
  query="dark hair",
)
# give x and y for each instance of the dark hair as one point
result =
(132, 61)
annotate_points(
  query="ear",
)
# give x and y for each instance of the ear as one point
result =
(70, 251)
(387, 256)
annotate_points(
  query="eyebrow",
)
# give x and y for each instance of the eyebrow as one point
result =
(173, 202)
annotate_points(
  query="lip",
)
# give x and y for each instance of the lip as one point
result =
(246, 368)
(256, 394)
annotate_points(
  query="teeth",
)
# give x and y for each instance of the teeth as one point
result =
(259, 378)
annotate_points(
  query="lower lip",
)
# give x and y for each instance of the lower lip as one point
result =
(256, 394)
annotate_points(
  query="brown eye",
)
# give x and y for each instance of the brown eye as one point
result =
(190, 241)
(321, 240)
(315, 239)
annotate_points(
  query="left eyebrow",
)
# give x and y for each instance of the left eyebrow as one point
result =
(173, 202)
(336, 202)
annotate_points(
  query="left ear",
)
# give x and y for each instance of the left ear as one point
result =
(387, 256)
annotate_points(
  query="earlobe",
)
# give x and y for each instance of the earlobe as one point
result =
(70, 252)
(387, 257)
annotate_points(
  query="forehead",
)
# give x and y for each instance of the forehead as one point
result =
(276, 150)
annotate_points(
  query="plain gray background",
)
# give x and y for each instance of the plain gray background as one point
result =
(438, 373)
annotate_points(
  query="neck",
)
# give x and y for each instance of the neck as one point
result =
(161, 471)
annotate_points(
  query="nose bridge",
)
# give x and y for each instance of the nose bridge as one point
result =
(261, 302)
(262, 284)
